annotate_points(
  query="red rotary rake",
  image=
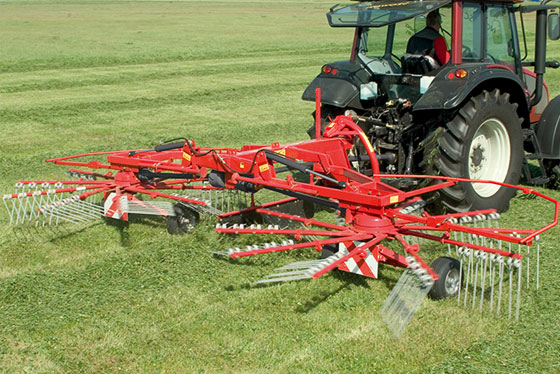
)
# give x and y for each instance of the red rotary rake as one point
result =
(372, 214)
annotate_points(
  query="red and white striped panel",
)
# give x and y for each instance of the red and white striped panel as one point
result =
(365, 264)
(116, 206)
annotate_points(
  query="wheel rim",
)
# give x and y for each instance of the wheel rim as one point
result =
(452, 282)
(187, 223)
(489, 156)
(186, 218)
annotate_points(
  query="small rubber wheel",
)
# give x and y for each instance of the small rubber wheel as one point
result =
(449, 282)
(328, 250)
(308, 209)
(184, 220)
(553, 171)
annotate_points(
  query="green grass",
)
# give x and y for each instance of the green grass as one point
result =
(80, 76)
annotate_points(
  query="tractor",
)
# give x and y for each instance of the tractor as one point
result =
(484, 114)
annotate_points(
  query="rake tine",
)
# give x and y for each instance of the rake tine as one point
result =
(469, 254)
(461, 253)
(475, 278)
(286, 273)
(491, 268)
(5, 200)
(538, 260)
(52, 199)
(406, 296)
(518, 264)
(300, 265)
(16, 207)
(452, 221)
(303, 269)
(282, 279)
(66, 213)
(500, 261)
(27, 205)
(483, 263)
(74, 208)
(528, 254)
(20, 208)
(34, 211)
(86, 208)
(510, 281)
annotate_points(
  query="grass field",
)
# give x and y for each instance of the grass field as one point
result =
(80, 76)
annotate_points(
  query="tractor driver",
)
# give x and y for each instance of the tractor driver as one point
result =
(429, 41)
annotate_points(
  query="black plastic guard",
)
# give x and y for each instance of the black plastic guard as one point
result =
(334, 91)
(448, 92)
(548, 130)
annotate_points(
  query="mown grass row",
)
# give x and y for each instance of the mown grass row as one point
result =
(91, 76)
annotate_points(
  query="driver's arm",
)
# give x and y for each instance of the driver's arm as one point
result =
(440, 47)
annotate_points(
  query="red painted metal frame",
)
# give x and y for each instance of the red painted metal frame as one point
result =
(371, 207)
(457, 33)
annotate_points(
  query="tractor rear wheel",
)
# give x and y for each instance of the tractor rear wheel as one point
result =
(482, 141)
(328, 113)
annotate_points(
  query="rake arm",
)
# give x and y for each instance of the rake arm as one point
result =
(370, 211)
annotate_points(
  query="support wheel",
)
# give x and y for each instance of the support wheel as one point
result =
(328, 250)
(449, 282)
(553, 171)
(185, 220)
(482, 141)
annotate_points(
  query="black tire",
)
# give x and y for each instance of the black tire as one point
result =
(552, 168)
(328, 250)
(449, 282)
(327, 111)
(185, 220)
(458, 150)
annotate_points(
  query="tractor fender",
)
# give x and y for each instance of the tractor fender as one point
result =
(447, 91)
(548, 130)
(340, 86)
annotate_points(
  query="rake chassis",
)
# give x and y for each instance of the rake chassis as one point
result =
(373, 213)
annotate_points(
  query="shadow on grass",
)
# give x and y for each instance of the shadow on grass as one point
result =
(135, 219)
(316, 300)
(51, 233)
(55, 232)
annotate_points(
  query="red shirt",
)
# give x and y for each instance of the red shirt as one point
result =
(440, 48)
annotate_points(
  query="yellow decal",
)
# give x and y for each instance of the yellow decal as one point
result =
(242, 165)
(387, 5)
(282, 151)
(394, 199)
(186, 156)
(368, 144)
(263, 167)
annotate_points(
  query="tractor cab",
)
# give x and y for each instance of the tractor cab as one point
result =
(383, 31)
(477, 34)
(481, 111)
